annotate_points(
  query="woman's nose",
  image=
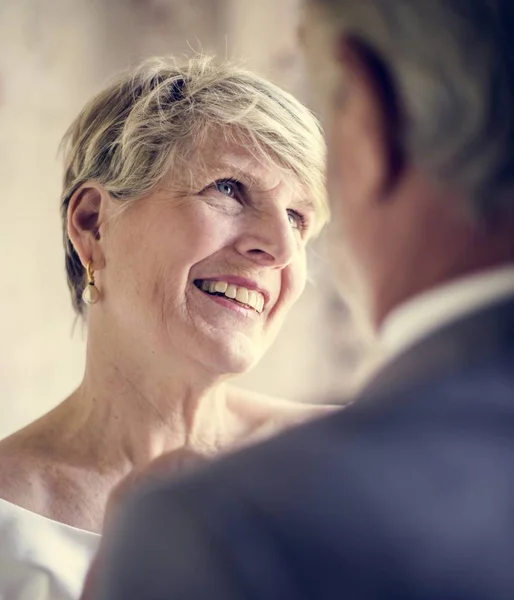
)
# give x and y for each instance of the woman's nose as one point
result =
(269, 241)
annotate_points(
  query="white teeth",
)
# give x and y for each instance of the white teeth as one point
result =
(252, 299)
(242, 295)
(239, 293)
(231, 291)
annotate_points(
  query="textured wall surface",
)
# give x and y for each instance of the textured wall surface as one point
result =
(54, 56)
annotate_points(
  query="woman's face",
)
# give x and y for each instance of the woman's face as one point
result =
(207, 276)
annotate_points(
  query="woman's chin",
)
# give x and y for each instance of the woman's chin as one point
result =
(230, 357)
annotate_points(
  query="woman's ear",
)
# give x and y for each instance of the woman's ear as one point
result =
(86, 213)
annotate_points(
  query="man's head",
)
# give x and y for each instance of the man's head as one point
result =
(416, 99)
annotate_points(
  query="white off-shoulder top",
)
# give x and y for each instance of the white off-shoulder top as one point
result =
(41, 559)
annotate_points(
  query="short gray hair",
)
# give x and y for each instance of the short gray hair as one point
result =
(153, 118)
(452, 66)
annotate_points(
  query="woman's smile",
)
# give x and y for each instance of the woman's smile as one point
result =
(232, 304)
(242, 296)
(241, 292)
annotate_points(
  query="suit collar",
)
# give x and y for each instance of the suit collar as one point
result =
(466, 342)
(441, 305)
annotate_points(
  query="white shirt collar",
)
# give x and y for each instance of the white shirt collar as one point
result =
(424, 314)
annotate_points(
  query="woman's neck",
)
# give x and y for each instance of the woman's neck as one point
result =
(123, 416)
(116, 422)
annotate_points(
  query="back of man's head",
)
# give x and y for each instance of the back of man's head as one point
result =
(454, 64)
(445, 70)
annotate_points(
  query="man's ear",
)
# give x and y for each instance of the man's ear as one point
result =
(367, 121)
(86, 212)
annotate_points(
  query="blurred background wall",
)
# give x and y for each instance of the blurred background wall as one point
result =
(54, 55)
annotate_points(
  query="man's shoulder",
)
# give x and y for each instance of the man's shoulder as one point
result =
(375, 428)
(395, 433)
(382, 474)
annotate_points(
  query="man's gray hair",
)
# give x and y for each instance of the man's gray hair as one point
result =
(452, 66)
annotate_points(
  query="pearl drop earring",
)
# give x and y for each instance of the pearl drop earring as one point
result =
(91, 294)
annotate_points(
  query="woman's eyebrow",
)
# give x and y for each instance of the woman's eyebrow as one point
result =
(305, 204)
(254, 180)
(250, 178)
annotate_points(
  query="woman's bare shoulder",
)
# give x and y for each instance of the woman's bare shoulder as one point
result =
(40, 481)
(261, 415)
(21, 473)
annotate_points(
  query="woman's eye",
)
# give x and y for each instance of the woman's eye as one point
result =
(227, 188)
(296, 220)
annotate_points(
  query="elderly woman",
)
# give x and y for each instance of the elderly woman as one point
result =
(190, 194)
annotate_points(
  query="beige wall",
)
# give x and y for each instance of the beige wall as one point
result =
(55, 55)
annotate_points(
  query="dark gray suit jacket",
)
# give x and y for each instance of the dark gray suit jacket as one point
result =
(408, 493)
